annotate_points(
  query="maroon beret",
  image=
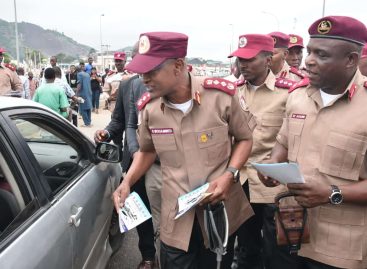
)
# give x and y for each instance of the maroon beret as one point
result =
(281, 40)
(364, 52)
(295, 41)
(339, 27)
(119, 55)
(155, 48)
(250, 45)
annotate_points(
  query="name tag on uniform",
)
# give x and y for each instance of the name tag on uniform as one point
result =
(298, 116)
(161, 131)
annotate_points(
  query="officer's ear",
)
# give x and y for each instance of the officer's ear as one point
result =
(180, 64)
(353, 59)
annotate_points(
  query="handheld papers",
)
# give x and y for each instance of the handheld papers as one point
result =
(191, 199)
(283, 172)
(133, 213)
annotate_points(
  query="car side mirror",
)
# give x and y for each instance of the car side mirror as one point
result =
(108, 152)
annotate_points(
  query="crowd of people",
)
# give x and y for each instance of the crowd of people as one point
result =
(180, 131)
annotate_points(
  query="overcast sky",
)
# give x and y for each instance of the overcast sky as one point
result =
(210, 25)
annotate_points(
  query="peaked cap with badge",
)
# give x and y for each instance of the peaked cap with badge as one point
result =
(295, 41)
(119, 55)
(251, 45)
(155, 48)
(281, 40)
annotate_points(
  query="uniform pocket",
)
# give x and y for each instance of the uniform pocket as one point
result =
(214, 145)
(166, 148)
(295, 127)
(343, 155)
(270, 126)
(340, 232)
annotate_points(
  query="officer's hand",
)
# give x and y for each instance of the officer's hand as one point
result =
(310, 194)
(219, 189)
(100, 136)
(120, 195)
(268, 181)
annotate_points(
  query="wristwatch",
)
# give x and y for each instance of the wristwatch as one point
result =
(336, 196)
(235, 172)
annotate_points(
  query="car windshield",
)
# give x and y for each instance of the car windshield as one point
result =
(33, 133)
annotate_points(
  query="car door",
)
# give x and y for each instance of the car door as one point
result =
(82, 197)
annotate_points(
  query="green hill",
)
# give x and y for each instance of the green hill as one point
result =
(34, 38)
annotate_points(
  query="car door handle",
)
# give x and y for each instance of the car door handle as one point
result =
(75, 219)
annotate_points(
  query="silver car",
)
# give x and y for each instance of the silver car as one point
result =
(55, 191)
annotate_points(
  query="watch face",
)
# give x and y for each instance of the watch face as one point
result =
(336, 198)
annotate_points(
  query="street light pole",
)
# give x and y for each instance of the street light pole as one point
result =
(231, 45)
(100, 32)
(16, 31)
(323, 8)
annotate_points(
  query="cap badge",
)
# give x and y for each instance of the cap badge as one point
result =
(242, 42)
(293, 39)
(144, 44)
(324, 27)
(203, 138)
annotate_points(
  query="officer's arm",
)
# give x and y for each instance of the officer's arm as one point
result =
(278, 154)
(141, 163)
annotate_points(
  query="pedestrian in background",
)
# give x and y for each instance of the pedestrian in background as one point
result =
(95, 82)
(33, 84)
(84, 91)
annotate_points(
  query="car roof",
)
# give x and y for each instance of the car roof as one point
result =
(15, 102)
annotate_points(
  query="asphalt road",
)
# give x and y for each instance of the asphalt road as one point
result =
(128, 256)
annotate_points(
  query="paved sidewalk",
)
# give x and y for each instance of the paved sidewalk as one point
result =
(99, 121)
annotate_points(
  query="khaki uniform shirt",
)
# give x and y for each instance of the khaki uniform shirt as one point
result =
(287, 73)
(329, 143)
(267, 104)
(194, 148)
(111, 87)
(10, 84)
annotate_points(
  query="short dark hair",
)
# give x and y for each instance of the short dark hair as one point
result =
(49, 73)
(57, 71)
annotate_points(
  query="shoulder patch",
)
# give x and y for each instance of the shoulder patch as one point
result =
(297, 72)
(365, 84)
(221, 85)
(302, 83)
(143, 100)
(284, 83)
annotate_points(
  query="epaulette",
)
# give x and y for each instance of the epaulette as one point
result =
(240, 82)
(299, 84)
(110, 72)
(11, 67)
(284, 83)
(365, 84)
(220, 84)
(297, 72)
(143, 100)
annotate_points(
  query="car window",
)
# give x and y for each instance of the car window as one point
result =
(14, 209)
(58, 155)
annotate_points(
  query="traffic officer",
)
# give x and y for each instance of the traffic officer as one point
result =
(363, 61)
(325, 132)
(265, 97)
(295, 51)
(190, 123)
(10, 84)
(279, 66)
(113, 80)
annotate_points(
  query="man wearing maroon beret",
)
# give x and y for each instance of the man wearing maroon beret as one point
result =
(325, 132)
(201, 135)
